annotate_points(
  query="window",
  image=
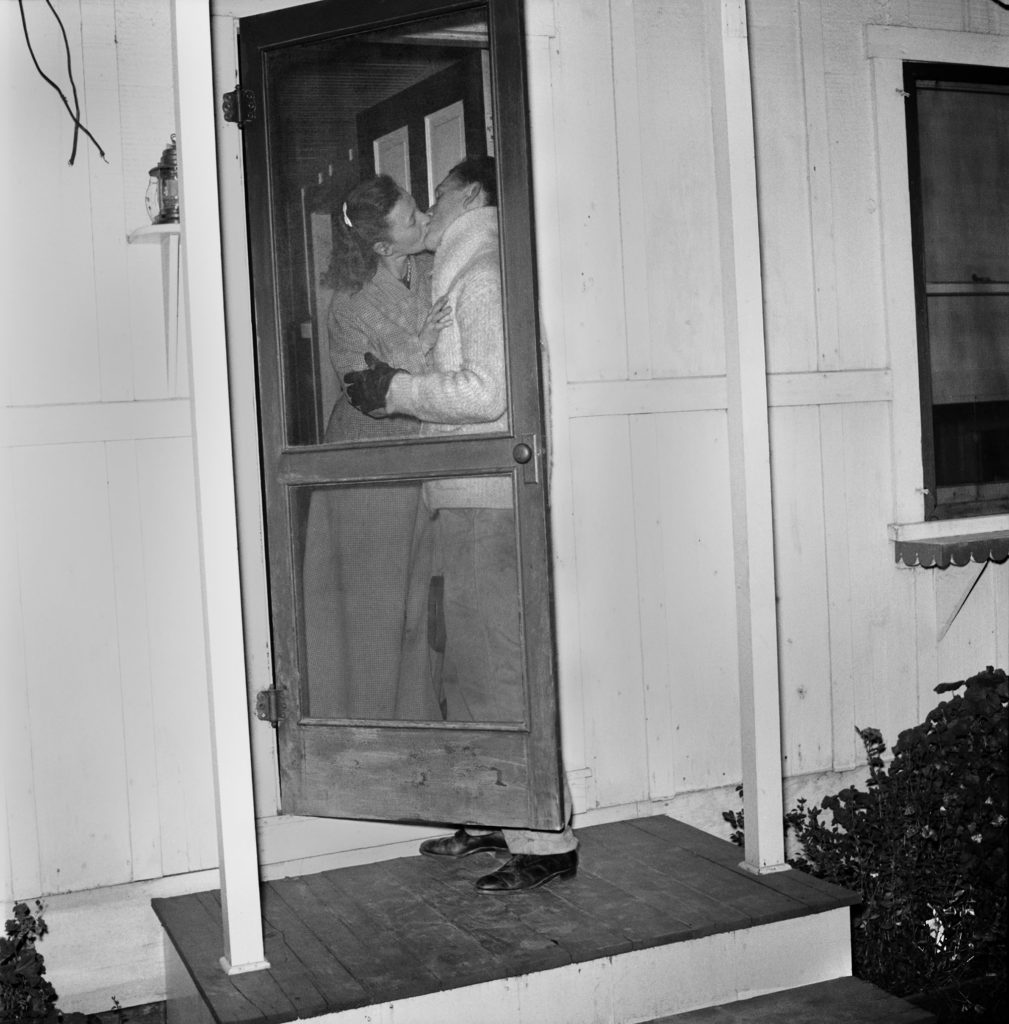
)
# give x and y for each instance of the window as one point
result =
(958, 165)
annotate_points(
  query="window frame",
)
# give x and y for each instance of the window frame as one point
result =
(935, 507)
(887, 48)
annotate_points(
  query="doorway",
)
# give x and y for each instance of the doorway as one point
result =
(353, 516)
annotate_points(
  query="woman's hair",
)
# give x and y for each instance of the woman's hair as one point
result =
(478, 169)
(358, 223)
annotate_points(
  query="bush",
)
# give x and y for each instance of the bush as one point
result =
(24, 993)
(925, 846)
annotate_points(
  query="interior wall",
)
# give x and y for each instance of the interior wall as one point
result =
(107, 777)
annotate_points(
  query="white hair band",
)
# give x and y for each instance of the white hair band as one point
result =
(346, 219)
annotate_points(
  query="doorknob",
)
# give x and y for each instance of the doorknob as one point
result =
(527, 453)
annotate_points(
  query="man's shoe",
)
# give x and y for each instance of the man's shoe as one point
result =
(529, 871)
(462, 844)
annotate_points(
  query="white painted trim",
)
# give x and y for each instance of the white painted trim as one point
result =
(749, 441)
(898, 287)
(937, 529)
(539, 14)
(243, 931)
(244, 418)
(841, 387)
(549, 261)
(887, 47)
(696, 394)
(87, 423)
(891, 42)
(629, 397)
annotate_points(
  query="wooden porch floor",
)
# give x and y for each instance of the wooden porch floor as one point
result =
(382, 932)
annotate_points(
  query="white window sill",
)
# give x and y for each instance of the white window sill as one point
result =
(939, 543)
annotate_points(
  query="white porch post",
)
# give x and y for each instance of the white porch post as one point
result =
(236, 823)
(749, 446)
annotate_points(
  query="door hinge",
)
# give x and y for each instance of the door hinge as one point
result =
(239, 106)
(270, 705)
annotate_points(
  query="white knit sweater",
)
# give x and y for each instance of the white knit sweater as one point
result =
(467, 391)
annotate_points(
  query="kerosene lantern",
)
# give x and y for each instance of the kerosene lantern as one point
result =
(163, 188)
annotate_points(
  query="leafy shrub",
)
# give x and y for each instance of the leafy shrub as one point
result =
(25, 994)
(925, 846)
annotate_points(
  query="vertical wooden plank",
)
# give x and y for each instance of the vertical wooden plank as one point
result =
(699, 611)
(796, 227)
(174, 634)
(631, 195)
(680, 236)
(139, 729)
(1000, 589)
(20, 870)
(610, 632)
(243, 931)
(145, 74)
(584, 130)
(46, 207)
(650, 526)
(68, 606)
(926, 642)
(971, 640)
(98, 86)
(801, 578)
(885, 673)
(840, 597)
(858, 270)
(818, 163)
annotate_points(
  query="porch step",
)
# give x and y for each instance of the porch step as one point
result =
(659, 919)
(840, 1001)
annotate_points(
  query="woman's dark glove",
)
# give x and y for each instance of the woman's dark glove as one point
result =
(366, 389)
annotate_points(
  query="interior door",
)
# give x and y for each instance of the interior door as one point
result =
(355, 530)
(420, 115)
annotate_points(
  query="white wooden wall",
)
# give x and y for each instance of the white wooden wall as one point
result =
(106, 763)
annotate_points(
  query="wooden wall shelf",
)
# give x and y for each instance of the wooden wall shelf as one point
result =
(169, 237)
(154, 232)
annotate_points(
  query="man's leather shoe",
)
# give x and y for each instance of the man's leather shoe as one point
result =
(462, 844)
(529, 871)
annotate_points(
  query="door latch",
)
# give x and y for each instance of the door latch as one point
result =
(527, 454)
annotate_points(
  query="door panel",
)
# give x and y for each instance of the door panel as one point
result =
(391, 155)
(402, 557)
(445, 135)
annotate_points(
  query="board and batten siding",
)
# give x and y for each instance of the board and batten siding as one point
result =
(106, 740)
(106, 772)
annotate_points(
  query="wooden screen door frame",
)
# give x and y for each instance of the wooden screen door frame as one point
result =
(433, 772)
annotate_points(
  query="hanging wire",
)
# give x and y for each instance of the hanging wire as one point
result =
(75, 111)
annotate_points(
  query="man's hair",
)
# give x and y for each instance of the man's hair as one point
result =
(478, 170)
